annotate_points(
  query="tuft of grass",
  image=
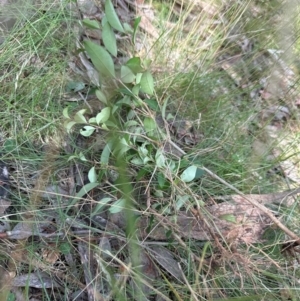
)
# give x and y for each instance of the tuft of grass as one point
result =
(34, 72)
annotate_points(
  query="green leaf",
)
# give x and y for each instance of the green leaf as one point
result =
(125, 100)
(127, 76)
(137, 102)
(125, 91)
(147, 85)
(136, 90)
(101, 96)
(92, 175)
(122, 147)
(152, 103)
(91, 23)
(135, 27)
(92, 120)
(109, 39)
(86, 189)
(199, 173)
(75, 86)
(195, 161)
(160, 158)
(65, 248)
(100, 58)
(82, 157)
(106, 153)
(79, 118)
(149, 125)
(66, 113)
(87, 130)
(117, 206)
(100, 205)
(142, 150)
(103, 116)
(115, 109)
(189, 174)
(112, 16)
(104, 20)
(151, 223)
(161, 179)
(146, 63)
(131, 114)
(138, 78)
(10, 297)
(137, 161)
(142, 173)
(228, 217)
(130, 123)
(181, 200)
(135, 65)
(69, 124)
(71, 158)
(147, 159)
(127, 28)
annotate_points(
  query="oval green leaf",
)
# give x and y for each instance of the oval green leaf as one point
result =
(228, 217)
(69, 124)
(109, 39)
(66, 113)
(103, 116)
(189, 174)
(112, 16)
(82, 157)
(149, 124)
(93, 24)
(101, 96)
(79, 118)
(106, 153)
(100, 58)
(86, 189)
(100, 205)
(146, 63)
(104, 20)
(130, 123)
(181, 201)
(128, 28)
(160, 158)
(135, 65)
(161, 179)
(152, 103)
(92, 120)
(147, 83)
(127, 76)
(138, 78)
(135, 90)
(87, 131)
(92, 175)
(117, 206)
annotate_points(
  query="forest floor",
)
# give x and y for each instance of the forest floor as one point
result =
(153, 158)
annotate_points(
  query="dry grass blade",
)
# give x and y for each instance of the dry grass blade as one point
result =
(89, 267)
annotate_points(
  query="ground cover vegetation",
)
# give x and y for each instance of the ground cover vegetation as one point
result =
(149, 150)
